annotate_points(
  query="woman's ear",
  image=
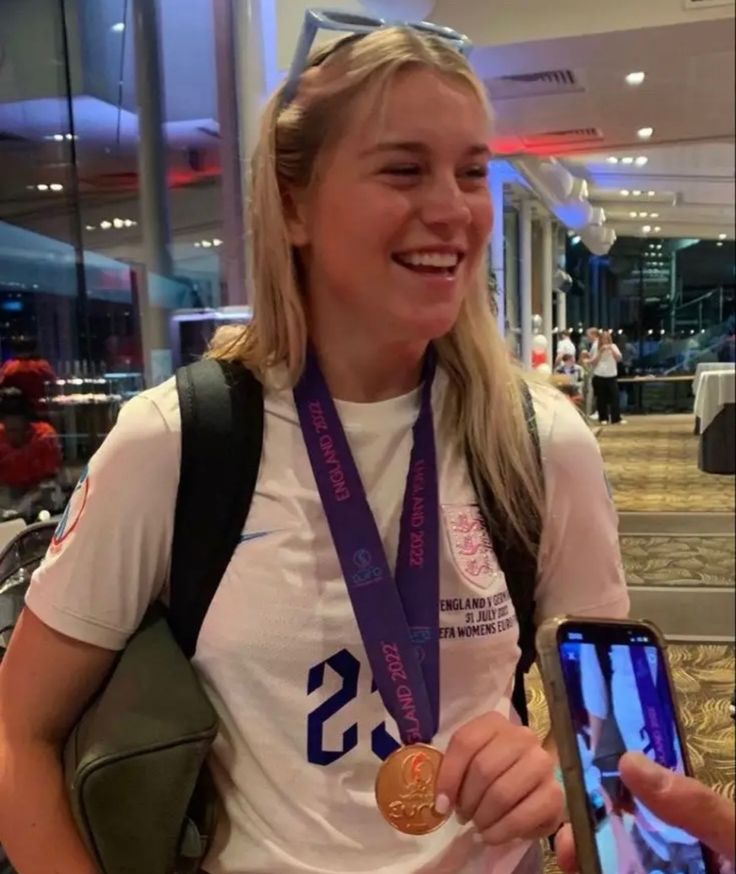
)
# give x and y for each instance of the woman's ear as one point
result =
(295, 213)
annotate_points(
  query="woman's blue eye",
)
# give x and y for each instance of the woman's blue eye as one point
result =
(402, 170)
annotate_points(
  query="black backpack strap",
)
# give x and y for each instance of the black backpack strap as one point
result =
(221, 441)
(517, 561)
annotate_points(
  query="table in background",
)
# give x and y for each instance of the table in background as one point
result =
(640, 381)
(716, 410)
(706, 367)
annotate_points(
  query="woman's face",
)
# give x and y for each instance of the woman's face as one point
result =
(398, 222)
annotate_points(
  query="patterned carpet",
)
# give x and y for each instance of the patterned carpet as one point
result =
(704, 676)
(672, 561)
(652, 465)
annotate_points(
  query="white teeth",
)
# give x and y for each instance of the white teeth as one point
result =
(430, 259)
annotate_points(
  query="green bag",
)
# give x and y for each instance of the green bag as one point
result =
(135, 762)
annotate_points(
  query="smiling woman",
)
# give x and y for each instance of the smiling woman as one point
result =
(363, 645)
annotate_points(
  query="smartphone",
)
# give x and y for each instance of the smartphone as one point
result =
(609, 691)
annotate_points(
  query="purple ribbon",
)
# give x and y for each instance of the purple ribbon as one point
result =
(398, 618)
(655, 706)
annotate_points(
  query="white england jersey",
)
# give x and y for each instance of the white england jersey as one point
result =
(303, 729)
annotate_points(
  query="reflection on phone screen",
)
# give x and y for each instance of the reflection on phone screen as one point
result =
(620, 700)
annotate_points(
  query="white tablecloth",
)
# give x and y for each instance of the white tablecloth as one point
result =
(706, 367)
(715, 389)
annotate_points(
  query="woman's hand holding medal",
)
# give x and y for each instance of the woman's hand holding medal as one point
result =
(496, 774)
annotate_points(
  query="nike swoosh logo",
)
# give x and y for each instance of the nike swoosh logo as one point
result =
(253, 535)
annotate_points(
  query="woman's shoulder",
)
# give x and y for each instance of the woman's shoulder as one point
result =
(560, 425)
(156, 408)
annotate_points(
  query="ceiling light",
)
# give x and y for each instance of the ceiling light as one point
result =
(651, 193)
(719, 244)
(645, 133)
(625, 192)
(636, 193)
(206, 244)
(650, 332)
(663, 331)
(633, 215)
(627, 160)
(655, 215)
(118, 223)
(647, 229)
(59, 138)
(56, 186)
(89, 227)
(722, 236)
(216, 242)
(641, 161)
(118, 27)
(197, 245)
(575, 240)
(128, 223)
(643, 215)
(612, 160)
(635, 78)
(657, 229)
(106, 225)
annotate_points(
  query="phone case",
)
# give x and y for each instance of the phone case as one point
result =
(564, 734)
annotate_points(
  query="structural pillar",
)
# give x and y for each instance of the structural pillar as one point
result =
(547, 265)
(561, 310)
(233, 205)
(154, 204)
(498, 257)
(525, 282)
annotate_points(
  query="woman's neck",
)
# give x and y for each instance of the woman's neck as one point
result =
(367, 371)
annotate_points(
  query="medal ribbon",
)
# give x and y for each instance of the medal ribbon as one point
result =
(654, 700)
(398, 617)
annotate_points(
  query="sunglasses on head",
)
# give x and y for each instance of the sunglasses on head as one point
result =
(357, 26)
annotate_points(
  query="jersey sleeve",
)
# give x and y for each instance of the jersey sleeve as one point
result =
(109, 558)
(580, 567)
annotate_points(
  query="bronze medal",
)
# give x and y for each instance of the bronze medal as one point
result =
(405, 789)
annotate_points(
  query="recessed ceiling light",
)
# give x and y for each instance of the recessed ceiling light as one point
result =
(216, 242)
(575, 240)
(651, 193)
(89, 227)
(118, 223)
(106, 225)
(643, 215)
(206, 244)
(118, 27)
(627, 160)
(56, 186)
(197, 245)
(42, 186)
(719, 244)
(647, 229)
(645, 133)
(625, 192)
(612, 160)
(655, 215)
(722, 236)
(632, 215)
(657, 229)
(635, 78)
(641, 161)
(636, 193)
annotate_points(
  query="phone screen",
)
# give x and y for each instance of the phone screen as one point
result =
(620, 700)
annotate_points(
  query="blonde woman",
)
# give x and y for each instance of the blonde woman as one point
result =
(371, 217)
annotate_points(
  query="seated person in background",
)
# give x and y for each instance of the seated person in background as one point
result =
(573, 371)
(29, 449)
(26, 371)
(565, 346)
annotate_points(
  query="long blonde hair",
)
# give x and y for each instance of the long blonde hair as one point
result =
(484, 413)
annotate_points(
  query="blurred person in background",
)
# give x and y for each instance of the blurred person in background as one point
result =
(589, 340)
(574, 373)
(29, 448)
(565, 346)
(26, 371)
(605, 360)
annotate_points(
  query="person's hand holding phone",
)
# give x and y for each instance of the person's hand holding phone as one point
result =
(678, 800)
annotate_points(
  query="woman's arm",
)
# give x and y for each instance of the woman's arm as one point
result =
(616, 352)
(46, 680)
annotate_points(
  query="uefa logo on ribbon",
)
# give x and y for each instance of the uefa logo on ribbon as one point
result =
(366, 572)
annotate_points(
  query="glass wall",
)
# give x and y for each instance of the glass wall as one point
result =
(116, 256)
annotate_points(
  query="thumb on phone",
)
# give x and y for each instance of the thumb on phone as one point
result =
(683, 802)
